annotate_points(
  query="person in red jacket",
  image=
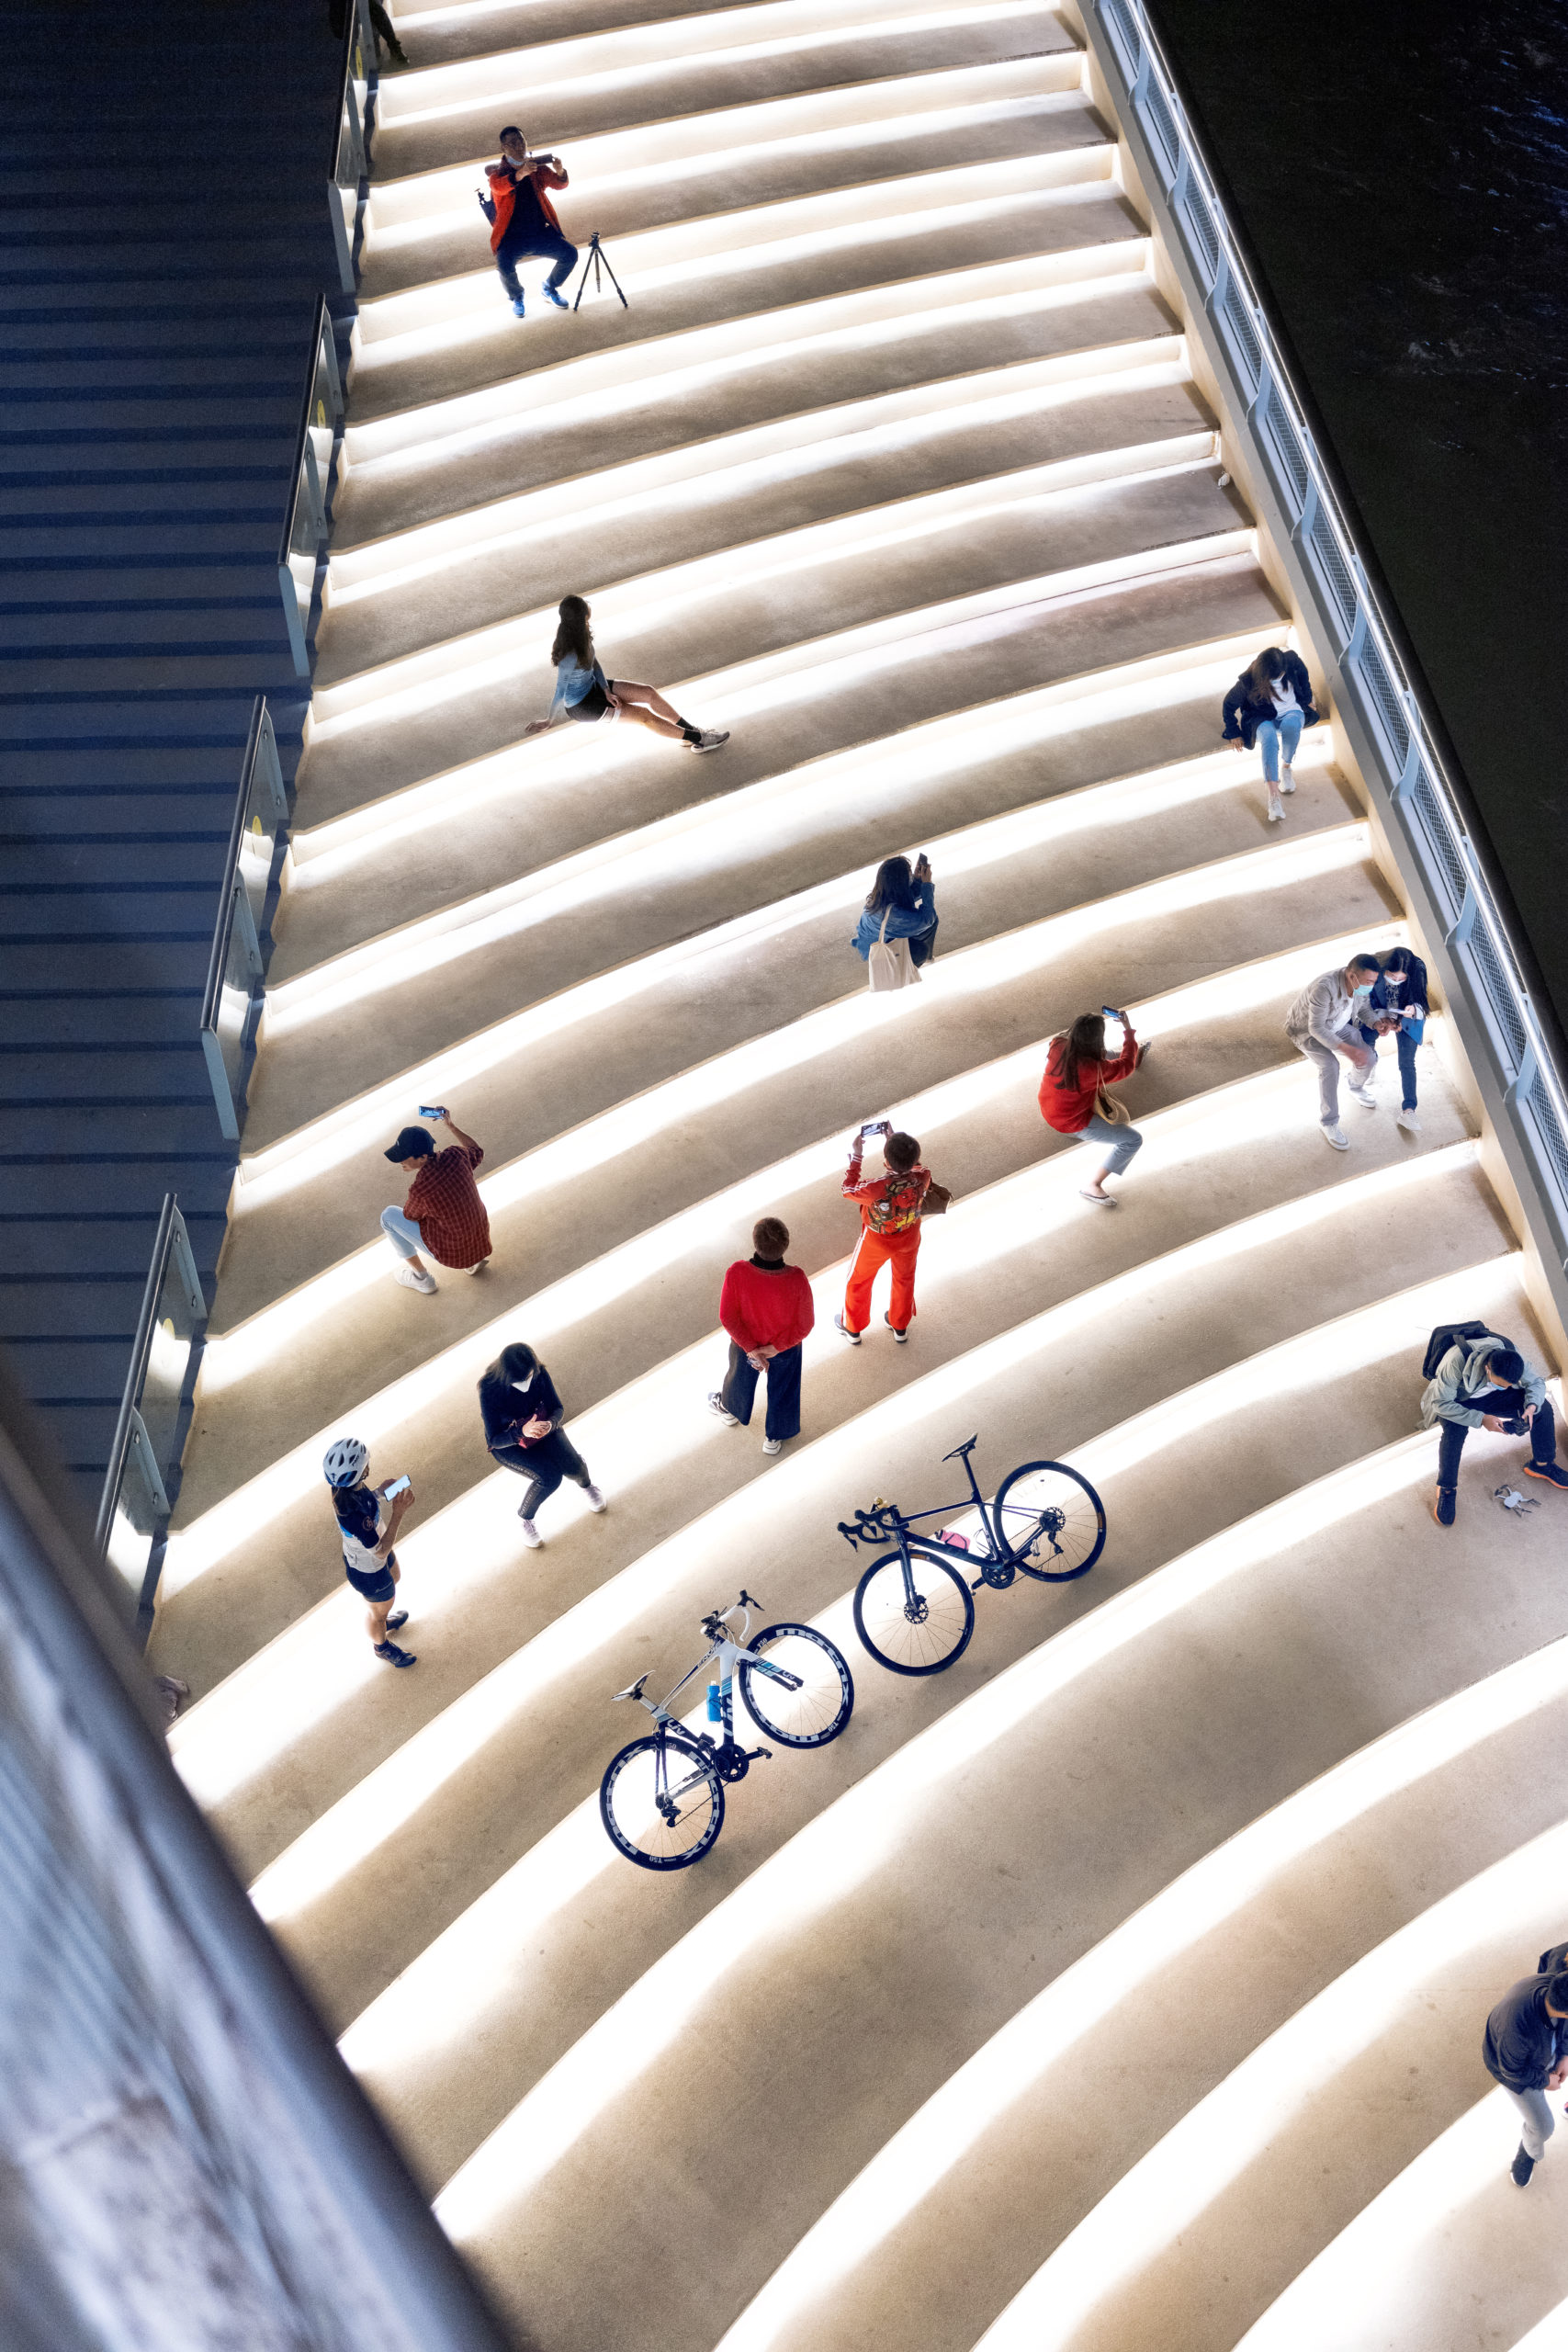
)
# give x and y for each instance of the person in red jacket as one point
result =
(767, 1309)
(889, 1233)
(1077, 1067)
(525, 217)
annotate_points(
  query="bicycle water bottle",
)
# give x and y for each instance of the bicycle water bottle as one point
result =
(715, 1712)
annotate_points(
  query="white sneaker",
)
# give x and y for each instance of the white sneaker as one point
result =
(1287, 780)
(479, 1269)
(1336, 1135)
(1364, 1096)
(409, 1280)
(1276, 813)
(531, 1536)
(772, 1444)
(710, 738)
(1408, 1119)
(595, 1500)
(716, 1405)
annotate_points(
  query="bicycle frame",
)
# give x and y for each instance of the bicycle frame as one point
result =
(729, 1651)
(887, 1519)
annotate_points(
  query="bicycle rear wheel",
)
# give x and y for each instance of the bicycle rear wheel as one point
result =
(1052, 1522)
(920, 1625)
(661, 1801)
(816, 1708)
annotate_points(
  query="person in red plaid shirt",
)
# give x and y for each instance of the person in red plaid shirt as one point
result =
(890, 1233)
(443, 1212)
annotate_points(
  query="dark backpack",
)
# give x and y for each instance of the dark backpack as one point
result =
(1449, 1335)
(1554, 1961)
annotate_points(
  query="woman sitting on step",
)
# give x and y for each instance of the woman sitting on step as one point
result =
(1269, 704)
(903, 898)
(586, 694)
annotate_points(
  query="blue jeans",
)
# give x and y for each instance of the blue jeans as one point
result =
(402, 1232)
(546, 245)
(1271, 734)
(1120, 1143)
(1405, 1045)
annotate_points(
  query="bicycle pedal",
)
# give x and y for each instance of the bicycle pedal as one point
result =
(754, 1753)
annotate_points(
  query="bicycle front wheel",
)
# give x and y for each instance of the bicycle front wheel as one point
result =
(800, 1692)
(1052, 1522)
(661, 1801)
(918, 1624)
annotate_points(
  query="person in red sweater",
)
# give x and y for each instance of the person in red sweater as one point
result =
(524, 220)
(767, 1309)
(889, 1233)
(1077, 1067)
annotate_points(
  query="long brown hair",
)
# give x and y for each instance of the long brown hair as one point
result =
(574, 636)
(1084, 1043)
(894, 886)
(1270, 665)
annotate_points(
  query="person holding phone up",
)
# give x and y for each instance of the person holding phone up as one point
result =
(890, 1230)
(1072, 1097)
(368, 1560)
(523, 1415)
(902, 905)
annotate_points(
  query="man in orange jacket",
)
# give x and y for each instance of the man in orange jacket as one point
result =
(525, 217)
(890, 1234)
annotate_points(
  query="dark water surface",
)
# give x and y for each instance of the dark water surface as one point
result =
(1402, 174)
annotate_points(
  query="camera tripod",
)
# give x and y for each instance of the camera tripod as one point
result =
(598, 261)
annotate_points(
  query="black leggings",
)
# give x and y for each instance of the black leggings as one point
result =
(545, 1464)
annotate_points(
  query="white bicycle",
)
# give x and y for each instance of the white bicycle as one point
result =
(663, 1797)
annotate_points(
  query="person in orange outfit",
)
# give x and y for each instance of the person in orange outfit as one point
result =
(890, 1233)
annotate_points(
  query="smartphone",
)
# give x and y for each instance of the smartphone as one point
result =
(396, 1487)
(432, 1111)
(1111, 1013)
(877, 1127)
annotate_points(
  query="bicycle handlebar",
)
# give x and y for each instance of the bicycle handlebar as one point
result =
(886, 1519)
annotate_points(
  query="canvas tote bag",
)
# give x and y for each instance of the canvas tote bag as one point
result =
(890, 965)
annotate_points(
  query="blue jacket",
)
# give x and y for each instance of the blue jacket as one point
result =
(1522, 2043)
(1245, 713)
(1413, 993)
(903, 922)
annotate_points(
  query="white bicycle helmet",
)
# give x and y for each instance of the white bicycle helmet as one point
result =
(344, 1464)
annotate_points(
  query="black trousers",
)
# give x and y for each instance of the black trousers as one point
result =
(739, 1391)
(1508, 1405)
(543, 1465)
(545, 242)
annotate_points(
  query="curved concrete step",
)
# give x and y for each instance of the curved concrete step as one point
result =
(1259, 1922)
(917, 1883)
(1339, 2097)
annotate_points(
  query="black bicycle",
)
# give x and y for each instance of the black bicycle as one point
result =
(914, 1606)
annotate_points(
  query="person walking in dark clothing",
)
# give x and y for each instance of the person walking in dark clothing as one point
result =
(1269, 704)
(767, 1309)
(1523, 2048)
(523, 1416)
(1399, 1000)
(369, 1560)
(524, 220)
(381, 25)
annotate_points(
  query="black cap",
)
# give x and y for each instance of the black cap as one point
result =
(414, 1143)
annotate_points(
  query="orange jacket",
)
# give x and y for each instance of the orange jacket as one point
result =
(504, 195)
(1069, 1109)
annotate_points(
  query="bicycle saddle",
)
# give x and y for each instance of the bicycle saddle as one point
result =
(632, 1690)
(967, 1447)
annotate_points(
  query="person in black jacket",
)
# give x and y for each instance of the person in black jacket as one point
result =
(1398, 1001)
(523, 1417)
(1525, 2049)
(1269, 704)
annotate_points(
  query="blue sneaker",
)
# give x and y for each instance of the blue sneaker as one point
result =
(1552, 1471)
(518, 308)
(553, 294)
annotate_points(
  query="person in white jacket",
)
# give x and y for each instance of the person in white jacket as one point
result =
(1324, 1022)
(1484, 1384)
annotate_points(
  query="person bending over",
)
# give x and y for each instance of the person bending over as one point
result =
(1073, 1098)
(523, 1416)
(584, 694)
(1484, 1384)
(902, 905)
(1269, 704)
(526, 226)
(1324, 1022)
(443, 1212)
(1398, 1003)
(368, 1560)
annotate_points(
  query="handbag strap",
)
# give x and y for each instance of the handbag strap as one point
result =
(882, 935)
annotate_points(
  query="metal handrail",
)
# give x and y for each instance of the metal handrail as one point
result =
(1480, 922)
(348, 162)
(241, 901)
(171, 1246)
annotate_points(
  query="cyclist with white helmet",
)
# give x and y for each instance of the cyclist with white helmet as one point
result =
(368, 1560)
